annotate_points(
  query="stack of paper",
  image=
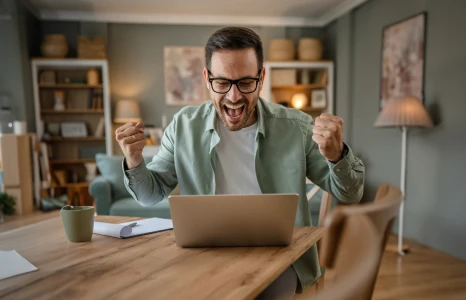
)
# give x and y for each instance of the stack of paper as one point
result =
(132, 229)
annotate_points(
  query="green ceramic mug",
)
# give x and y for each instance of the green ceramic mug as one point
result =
(78, 222)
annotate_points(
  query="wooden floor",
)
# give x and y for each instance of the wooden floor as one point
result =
(421, 274)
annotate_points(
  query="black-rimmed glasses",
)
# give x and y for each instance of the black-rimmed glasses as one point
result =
(245, 85)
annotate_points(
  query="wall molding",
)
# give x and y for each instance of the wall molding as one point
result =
(180, 19)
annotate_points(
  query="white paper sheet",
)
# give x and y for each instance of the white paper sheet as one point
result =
(12, 264)
(124, 230)
(150, 225)
(113, 230)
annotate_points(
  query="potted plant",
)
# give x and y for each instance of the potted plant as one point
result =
(7, 205)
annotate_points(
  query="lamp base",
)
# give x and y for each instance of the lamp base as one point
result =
(394, 248)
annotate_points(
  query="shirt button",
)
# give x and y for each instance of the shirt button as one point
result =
(338, 170)
(131, 177)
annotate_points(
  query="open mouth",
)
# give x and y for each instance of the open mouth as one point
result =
(234, 111)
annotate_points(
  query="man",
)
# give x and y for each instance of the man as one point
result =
(237, 143)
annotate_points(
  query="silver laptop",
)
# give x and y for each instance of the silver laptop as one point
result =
(233, 220)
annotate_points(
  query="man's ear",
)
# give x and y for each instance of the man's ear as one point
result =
(261, 80)
(206, 77)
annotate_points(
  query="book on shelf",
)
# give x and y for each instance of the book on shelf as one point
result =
(95, 100)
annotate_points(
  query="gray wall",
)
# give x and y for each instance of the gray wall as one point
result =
(16, 43)
(435, 197)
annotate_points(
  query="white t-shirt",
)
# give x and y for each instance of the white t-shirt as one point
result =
(235, 171)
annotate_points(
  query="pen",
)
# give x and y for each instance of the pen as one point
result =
(132, 224)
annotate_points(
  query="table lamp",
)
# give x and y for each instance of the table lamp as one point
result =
(127, 111)
(403, 113)
(299, 100)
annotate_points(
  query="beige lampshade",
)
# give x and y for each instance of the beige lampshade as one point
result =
(127, 111)
(299, 100)
(407, 111)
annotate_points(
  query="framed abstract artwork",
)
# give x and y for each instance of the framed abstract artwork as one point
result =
(403, 59)
(184, 81)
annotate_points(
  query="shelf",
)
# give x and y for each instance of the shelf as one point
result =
(310, 109)
(299, 86)
(74, 139)
(72, 111)
(69, 86)
(71, 161)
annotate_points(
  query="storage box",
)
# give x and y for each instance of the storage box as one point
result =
(283, 77)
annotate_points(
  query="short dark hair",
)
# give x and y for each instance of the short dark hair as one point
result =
(234, 38)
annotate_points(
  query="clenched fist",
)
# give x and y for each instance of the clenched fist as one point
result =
(328, 134)
(130, 137)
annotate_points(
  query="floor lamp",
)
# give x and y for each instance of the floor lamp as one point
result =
(403, 113)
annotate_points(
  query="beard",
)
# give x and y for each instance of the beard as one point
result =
(248, 110)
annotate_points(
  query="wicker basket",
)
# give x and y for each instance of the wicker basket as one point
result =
(281, 50)
(88, 48)
(310, 49)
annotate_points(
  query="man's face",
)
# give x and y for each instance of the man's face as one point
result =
(235, 109)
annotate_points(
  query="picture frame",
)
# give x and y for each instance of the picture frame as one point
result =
(319, 98)
(183, 73)
(403, 59)
(73, 129)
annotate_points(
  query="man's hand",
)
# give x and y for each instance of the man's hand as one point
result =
(327, 133)
(130, 137)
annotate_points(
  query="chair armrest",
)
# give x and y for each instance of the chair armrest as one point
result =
(101, 190)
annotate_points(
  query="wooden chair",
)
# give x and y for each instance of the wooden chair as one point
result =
(358, 263)
(325, 207)
(346, 250)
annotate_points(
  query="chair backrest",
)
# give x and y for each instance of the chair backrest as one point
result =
(338, 252)
(358, 263)
(325, 203)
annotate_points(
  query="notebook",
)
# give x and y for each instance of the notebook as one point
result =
(129, 229)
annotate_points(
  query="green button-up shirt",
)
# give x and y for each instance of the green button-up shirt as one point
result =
(285, 155)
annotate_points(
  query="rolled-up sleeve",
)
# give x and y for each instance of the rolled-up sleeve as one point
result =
(344, 179)
(151, 183)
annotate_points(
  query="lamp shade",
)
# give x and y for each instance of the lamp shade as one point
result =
(299, 100)
(127, 111)
(403, 112)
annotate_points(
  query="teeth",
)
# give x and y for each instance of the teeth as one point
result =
(234, 106)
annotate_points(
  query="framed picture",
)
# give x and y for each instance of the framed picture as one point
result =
(73, 129)
(184, 81)
(403, 56)
(319, 98)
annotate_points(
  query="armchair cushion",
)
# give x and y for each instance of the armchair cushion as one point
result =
(111, 170)
(101, 190)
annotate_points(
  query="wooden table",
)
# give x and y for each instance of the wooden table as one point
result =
(145, 267)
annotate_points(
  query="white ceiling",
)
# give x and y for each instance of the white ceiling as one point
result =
(201, 12)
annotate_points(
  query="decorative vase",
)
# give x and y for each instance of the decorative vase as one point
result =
(91, 169)
(59, 97)
(92, 76)
(281, 50)
(310, 49)
(54, 46)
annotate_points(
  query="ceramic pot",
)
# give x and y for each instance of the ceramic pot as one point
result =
(310, 49)
(54, 46)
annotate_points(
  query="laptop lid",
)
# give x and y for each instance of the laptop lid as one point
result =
(233, 220)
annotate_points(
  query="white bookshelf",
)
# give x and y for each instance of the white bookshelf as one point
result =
(73, 64)
(269, 92)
